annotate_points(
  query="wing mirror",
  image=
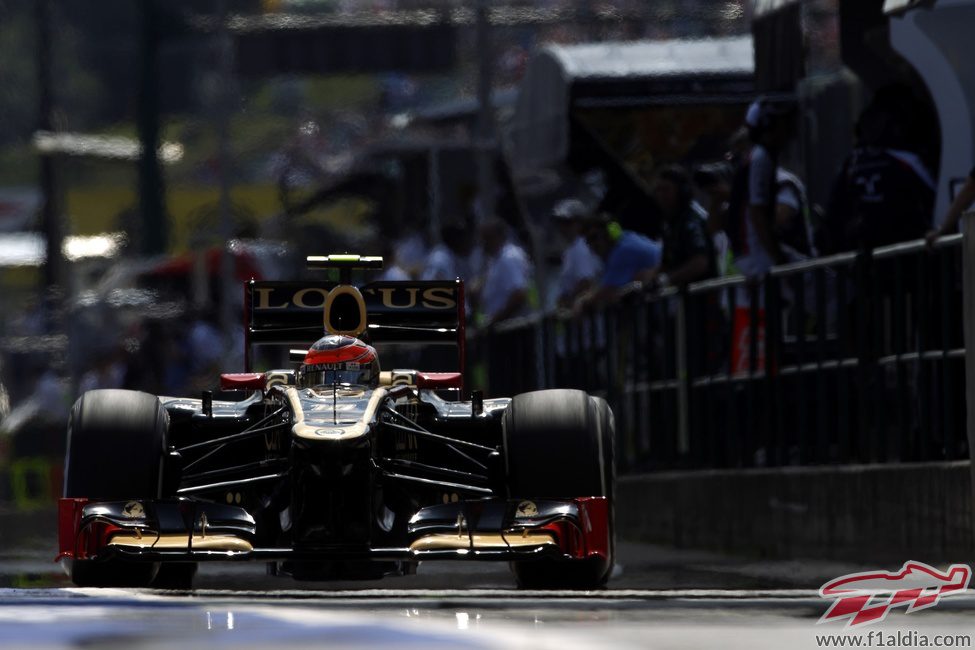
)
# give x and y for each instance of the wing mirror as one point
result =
(243, 381)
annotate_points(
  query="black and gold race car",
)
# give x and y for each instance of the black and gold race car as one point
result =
(336, 469)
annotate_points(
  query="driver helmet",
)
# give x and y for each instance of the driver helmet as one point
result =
(338, 359)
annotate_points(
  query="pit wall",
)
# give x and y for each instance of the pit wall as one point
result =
(878, 513)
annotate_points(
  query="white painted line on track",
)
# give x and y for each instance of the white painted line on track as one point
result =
(485, 594)
(487, 599)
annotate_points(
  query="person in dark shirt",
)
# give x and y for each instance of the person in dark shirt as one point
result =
(884, 192)
(688, 252)
(883, 196)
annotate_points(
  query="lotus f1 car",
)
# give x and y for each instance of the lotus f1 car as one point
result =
(331, 471)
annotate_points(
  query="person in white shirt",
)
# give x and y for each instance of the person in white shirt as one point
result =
(394, 273)
(392, 270)
(508, 275)
(448, 259)
(770, 126)
(580, 266)
(411, 253)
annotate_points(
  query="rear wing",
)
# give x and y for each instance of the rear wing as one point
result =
(293, 313)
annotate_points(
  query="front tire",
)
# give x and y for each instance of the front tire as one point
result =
(558, 444)
(116, 445)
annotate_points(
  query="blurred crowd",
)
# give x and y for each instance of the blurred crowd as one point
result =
(178, 353)
(742, 214)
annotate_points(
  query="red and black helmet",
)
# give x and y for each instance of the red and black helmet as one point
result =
(338, 359)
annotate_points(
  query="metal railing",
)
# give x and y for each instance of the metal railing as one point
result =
(841, 359)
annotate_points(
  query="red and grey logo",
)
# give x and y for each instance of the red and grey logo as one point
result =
(865, 598)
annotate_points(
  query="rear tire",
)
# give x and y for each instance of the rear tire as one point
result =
(116, 446)
(558, 444)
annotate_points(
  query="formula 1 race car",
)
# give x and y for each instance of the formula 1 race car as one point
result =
(336, 469)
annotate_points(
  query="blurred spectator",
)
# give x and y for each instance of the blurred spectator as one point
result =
(884, 192)
(716, 180)
(793, 227)
(448, 259)
(765, 211)
(35, 426)
(507, 280)
(33, 321)
(205, 347)
(625, 255)
(174, 362)
(108, 371)
(899, 119)
(141, 371)
(511, 65)
(688, 253)
(392, 271)
(51, 393)
(965, 198)
(580, 266)
(411, 253)
(767, 216)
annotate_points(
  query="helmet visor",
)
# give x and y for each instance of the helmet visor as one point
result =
(361, 377)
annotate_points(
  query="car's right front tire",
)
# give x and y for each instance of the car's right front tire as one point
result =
(560, 443)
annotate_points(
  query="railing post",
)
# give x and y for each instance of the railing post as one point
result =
(683, 403)
(758, 445)
(845, 336)
(667, 352)
(822, 406)
(776, 437)
(611, 321)
(739, 439)
(948, 422)
(866, 368)
(797, 422)
(900, 440)
(968, 291)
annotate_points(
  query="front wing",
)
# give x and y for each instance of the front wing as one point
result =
(188, 530)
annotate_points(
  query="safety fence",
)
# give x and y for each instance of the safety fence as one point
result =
(852, 358)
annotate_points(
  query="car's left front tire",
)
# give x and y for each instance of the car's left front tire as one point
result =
(116, 447)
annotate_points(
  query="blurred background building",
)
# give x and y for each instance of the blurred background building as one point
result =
(335, 115)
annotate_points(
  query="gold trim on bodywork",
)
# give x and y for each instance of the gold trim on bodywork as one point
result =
(397, 378)
(483, 541)
(346, 290)
(150, 541)
(348, 431)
